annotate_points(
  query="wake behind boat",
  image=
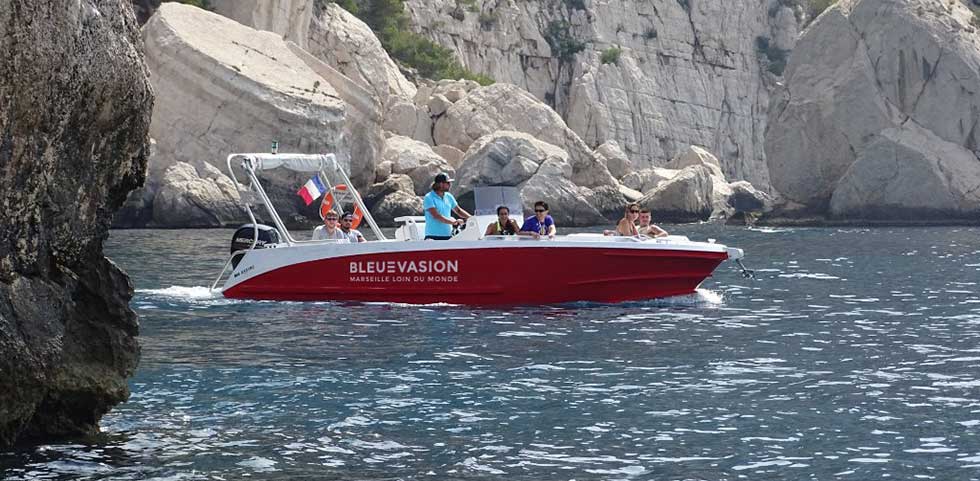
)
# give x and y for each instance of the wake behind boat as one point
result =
(470, 268)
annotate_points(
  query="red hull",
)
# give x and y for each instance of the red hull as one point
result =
(488, 276)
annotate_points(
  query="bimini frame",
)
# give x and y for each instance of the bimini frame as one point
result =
(312, 163)
(253, 193)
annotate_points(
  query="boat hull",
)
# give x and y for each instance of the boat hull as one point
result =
(504, 275)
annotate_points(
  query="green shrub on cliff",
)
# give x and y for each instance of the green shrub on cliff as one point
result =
(611, 55)
(388, 21)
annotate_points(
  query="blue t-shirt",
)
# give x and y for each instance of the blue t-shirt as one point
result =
(531, 224)
(444, 206)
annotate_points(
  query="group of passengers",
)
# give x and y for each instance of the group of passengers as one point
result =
(439, 205)
(338, 227)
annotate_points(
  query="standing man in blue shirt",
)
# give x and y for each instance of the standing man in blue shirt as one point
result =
(438, 207)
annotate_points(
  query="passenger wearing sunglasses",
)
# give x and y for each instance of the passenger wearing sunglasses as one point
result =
(627, 225)
(504, 225)
(540, 224)
(329, 230)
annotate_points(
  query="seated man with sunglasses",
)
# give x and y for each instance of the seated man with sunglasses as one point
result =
(540, 224)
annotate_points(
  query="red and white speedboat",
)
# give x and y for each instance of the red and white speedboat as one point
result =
(268, 263)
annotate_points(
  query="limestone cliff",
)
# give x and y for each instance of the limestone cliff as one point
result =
(74, 112)
(878, 118)
(654, 76)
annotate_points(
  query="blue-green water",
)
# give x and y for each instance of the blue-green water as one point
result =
(853, 355)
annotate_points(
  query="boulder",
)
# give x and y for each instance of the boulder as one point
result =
(452, 155)
(75, 107)
(506, 107)
(648, 179)
(877, 111)
(196, 197)
(746, 198)
(395, 183)
(382, 171)
(613, 157)
(685, 198)
(909, 173)
(608, 200)
(345, 42)
(438, 104)
(394, 205)
(223, 88)
(415, 159)
(539, 170)
(569, 204)
(510, 159)
(695, 155)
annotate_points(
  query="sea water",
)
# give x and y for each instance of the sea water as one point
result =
(854, 354)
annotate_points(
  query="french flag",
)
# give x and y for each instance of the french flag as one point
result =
(312, 190)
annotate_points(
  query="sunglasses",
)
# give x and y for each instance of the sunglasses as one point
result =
(634, 212)
(540, 210)
(331, 219)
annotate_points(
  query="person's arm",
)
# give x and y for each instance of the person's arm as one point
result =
(657, 231)
(461, 212)
(552, 230)
(360, 237)
(490, 229)
(623, 228)
(530, 232)
(437, 216)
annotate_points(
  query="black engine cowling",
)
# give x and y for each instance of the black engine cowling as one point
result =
(243, 237)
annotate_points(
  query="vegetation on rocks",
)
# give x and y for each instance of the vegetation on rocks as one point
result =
(388, 21)
(611, 55)
(777, 57)
(563, 45)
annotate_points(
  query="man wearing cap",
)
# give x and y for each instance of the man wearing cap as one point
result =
(438, 207)
(346, 222)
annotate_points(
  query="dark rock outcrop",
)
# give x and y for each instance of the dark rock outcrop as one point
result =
(74, 113)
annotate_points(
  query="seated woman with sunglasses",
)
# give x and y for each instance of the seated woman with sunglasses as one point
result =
(627, 225)
(504, 225)
(540, 224)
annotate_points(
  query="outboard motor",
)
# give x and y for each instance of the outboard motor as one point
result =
(243, 237)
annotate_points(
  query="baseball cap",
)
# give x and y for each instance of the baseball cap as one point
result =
(442, 177)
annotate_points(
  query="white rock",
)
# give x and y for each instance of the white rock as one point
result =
(187, 198)
(509, 158)
(908, 172)
(223, 88)
(331, 34)
(696, 155)
(879, 112)
(452, 155)
(746, 198)
(648, 179)
(613, 157)
(685, 198)
(506, 107)
(438, 105)
(415, 159)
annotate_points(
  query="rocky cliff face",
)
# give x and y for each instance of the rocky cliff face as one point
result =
(879, 115)
(655, 77)
(74, 112)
